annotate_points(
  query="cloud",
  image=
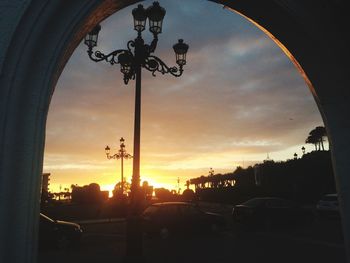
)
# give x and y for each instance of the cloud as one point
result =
(240, 97)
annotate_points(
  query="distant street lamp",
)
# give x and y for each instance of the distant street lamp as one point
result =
(122, 154)
(211, 171)
(138, 55)
(303, 149)
(295, 156)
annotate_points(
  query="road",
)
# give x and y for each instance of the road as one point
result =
(105, 242)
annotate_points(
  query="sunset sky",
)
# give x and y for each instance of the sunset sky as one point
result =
(240, 99)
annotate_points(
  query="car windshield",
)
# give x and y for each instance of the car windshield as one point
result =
(253, 202)
(277, 202)
(330, 198)
(150, 210)
(190, 210)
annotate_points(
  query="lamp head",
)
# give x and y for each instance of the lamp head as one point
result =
(140, 16)
(107, 150)
(155, 15)
(125, 61)
(92, 36)
(180, 50)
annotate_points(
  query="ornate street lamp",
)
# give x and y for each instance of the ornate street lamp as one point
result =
(211, 172)
(121, 154)
(303, 149)
(295, 156)
(138, 55)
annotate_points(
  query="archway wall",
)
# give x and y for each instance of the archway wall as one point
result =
(11, 13)
(38, 43)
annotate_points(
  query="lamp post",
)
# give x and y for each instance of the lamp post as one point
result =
(211, 171)
(295, 156)
(122, 154)
(303, 150)
(138, 55)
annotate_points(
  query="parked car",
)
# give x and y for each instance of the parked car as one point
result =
(170, 218)
(269, 213)
(58, 234)
(328, 205)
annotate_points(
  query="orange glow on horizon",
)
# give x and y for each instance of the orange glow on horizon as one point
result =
(156, 180)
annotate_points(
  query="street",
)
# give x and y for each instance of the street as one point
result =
(105, 242)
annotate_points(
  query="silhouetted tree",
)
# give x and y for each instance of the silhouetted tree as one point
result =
(320, 133)
(117, 189)
(312, 140)
(188, 195)
(163, 194)
(317, 137)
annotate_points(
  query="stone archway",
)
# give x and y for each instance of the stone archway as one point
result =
(38, 38)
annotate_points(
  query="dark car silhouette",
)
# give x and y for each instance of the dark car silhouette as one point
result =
(58, 234)
(328, 205)
(269, 213)
(169, 218)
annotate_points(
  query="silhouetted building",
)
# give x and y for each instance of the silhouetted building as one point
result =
(45, 195)
(164, 194)
(45, 182)
(88, 194)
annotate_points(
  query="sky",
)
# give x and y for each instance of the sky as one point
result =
(239, 100)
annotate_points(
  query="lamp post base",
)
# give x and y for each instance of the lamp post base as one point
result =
(134, 238)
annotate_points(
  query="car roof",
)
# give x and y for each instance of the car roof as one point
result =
(268, 198)
(259, 200)
(172, 203)
(331, 195)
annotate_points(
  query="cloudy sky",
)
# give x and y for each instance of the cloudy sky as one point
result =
(239, 100)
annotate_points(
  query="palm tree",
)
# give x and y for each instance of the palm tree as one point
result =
(312, 140)
(321, 133)
(316, 137)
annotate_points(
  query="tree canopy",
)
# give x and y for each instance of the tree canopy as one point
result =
(317, 137)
